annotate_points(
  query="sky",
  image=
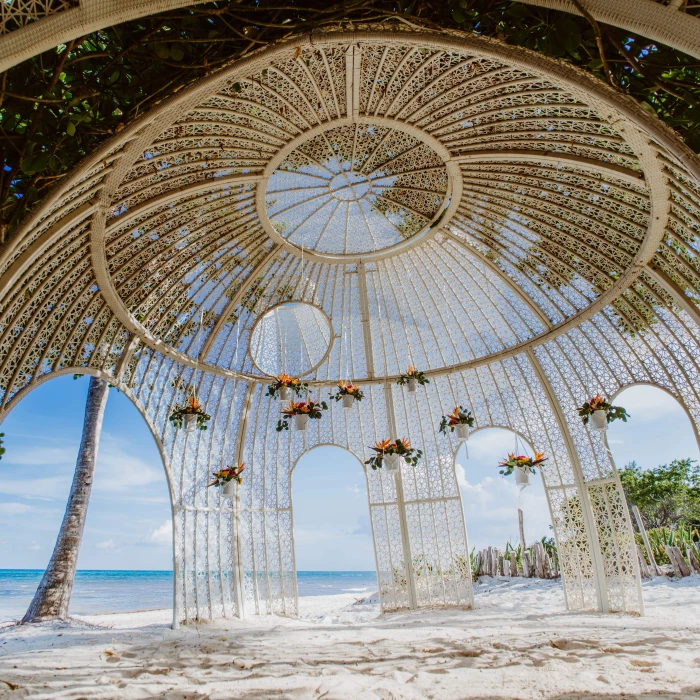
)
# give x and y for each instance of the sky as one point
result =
(128, 523)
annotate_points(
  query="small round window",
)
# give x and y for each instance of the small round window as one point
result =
(293, 338)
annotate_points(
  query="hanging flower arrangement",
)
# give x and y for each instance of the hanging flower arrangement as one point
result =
(285, 386)
(228, 475)
(391, 452)
(600, 412)
(460, 420)
(300, 413)
(348, 394)
(191, 413)
(227, 478)
(412, 377)
(523, 466)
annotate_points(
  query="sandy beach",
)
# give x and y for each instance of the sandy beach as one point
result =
(519, 643)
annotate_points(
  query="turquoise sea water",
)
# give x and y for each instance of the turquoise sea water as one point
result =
(97, 592)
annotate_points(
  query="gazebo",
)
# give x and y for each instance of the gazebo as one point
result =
(342, 205)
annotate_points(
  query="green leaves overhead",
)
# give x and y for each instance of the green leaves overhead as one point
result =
(61, 105)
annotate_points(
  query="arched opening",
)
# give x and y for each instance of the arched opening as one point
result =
(657, 457)
(657, 431)
(491, 502)
(332, 532)
(125, 560)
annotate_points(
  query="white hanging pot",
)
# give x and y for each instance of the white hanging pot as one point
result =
(462, 431)
(598, 421)
(301, 421)
(392, 463)
(285, 393)
(522, 476)
(412, 384)
(190, 422)
(228, 490)
(348, 400)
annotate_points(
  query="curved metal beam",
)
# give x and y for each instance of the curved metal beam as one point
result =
(652, 20)
(521, 155)
(504, 278)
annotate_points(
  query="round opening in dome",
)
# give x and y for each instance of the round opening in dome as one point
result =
(356, 188)
(293, 338)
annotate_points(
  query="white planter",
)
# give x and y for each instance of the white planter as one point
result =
(522, 476)
(190, 422)
(412, 384)
(462, 431)
(228, 490)
(598, 421)
(348, 400)
(301, 421)
(285, 393)
(392, 463)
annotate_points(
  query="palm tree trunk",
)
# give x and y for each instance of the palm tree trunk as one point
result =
(52, 597)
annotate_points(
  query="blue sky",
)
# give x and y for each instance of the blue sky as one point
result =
(128, 525)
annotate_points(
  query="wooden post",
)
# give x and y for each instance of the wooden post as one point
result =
(513, 564)
(680, 568)
(501, 565)
(521, 528)
(540, 559)
(527, 565)
(645, 539)
(506, 567)
(489, 560)
(546, 567)
(643, 568)
(693, 560)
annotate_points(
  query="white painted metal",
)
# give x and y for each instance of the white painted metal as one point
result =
(560, 259)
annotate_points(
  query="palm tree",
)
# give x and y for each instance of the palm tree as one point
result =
(52, 597)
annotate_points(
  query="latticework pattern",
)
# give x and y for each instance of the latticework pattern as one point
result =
(17, 13)
(342, 206)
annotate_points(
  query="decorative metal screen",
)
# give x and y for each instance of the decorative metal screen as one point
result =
(512, 227)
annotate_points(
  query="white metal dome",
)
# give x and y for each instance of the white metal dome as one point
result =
(504, 222)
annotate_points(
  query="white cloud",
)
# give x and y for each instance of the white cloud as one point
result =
(34, 546)
(107, 544)
(15, 508)
(162, 535)
(647, 403)
(117, 470)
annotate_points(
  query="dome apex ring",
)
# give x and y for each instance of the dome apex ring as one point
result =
(359, 189)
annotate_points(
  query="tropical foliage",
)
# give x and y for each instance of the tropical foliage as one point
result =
(667, 496)
(459, 416)
(681, 536)
(598, 403)
(347, 390)
(401, 446)
(192, 407)
(310, 408)
(284, 380)
(223, 476)
(413, 373)
(60, 105)
(513, 462)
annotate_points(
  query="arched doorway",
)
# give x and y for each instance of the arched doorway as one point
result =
(492, 502)
(658, 431)
(125, 560)
(333, 546)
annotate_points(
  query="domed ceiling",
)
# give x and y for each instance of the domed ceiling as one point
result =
(437, 206)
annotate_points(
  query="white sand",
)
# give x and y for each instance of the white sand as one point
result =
(520, 643)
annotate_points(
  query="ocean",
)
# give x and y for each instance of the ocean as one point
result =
(99, 592)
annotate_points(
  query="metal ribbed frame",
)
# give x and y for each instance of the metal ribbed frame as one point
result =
(566, 265)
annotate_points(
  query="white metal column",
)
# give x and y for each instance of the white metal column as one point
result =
(391, 421)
